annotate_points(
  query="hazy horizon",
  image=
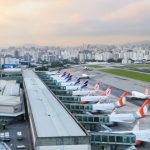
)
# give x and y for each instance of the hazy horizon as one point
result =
(73, 22)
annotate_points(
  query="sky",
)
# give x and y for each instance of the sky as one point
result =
(73, 22)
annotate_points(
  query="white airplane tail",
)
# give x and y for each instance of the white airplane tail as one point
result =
(146, 91)
(96, 87)
(108, 91)
(121, 102)
(143, 110)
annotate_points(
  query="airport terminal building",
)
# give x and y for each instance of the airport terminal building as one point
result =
(52, 126)
(11, 99)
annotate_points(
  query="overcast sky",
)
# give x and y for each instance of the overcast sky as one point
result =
(73, 22)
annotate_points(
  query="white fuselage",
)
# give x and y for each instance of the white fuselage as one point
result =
(60, 79)
(142, 135)
(56, 76)
(103, 106)
(93, 98)
(71, 87)
(127, 118)
(138, 94)
(83, 92)
(68, 83)
(53, 73)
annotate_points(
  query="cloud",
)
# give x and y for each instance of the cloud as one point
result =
(133, 10)
(72, 20)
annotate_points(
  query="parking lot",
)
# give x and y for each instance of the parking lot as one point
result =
(12, 129)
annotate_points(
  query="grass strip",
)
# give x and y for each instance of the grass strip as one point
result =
(138, 65)
(129, 74)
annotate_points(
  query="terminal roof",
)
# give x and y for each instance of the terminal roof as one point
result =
(50, 118)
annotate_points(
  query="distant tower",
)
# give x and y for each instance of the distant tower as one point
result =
(16, 54)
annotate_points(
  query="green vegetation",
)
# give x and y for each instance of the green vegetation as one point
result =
(129, 74)
(97, 67)
(139, 65)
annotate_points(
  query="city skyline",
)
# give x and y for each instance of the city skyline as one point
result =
(73, 22)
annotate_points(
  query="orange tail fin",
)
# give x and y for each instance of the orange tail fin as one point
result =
(143, 109)
(108, 91)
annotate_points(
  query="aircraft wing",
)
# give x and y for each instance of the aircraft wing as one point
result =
(131, 148)
(106, 128)
(122, 121)
(145, 137)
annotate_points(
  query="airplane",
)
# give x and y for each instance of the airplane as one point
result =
(129, 117)
(87, 92)
(94, 99)
(70, 83)
(139, 95)
(63, 78)
(53, 73)
(86, 76)
(86, 68)
(58, 76)
(77, 87)
(141, 135)
(110, 106)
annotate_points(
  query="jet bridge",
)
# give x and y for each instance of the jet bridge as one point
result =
(78, 107)
(62, 92)
(57, 87)
(111, 138)
(69, 99)
(92, 119)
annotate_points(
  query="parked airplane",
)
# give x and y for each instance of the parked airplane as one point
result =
(86, 68)
(88, 91)
(64, 78)
(129, 117)
(96, 98)
(60, 76)
(141, 135)
(70, 83)
(110, 106)
(53, 73)
(139, 95)
(75, 87)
